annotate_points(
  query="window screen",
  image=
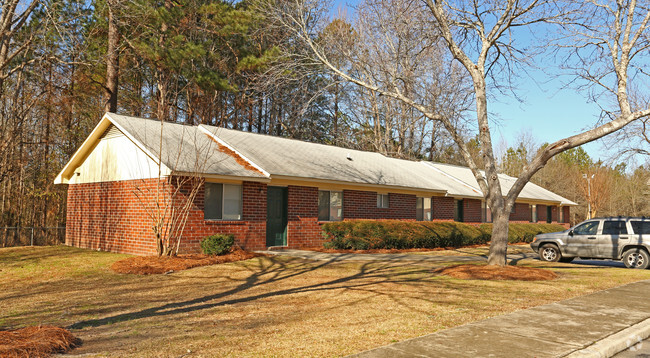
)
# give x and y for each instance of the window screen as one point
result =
(232, 202)
(423, 209)
(213, 201)
(222, 201)
(641, 227)
(330, 205)
(614, 228)
(382, 201)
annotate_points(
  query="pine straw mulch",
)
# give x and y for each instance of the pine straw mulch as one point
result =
(36, 341)
(152, 265)
(490, 272)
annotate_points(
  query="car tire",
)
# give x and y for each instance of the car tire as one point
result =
(550, 253)
(636, 258)
(566, 259)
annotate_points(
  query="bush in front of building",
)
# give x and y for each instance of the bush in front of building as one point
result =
(218, 244)
(395, 234)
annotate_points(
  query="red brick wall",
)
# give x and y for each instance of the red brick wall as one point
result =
(471, 211)
(541, 213)
(521, 213)
(303, 228)
(443, 208)
(108, 216)
(363, 205)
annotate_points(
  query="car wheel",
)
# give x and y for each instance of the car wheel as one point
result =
(636, 258)
(550, 252)
(566, 259)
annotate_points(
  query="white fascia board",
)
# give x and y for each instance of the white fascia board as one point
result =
(222, 142)
(64, 176)
(89, 144)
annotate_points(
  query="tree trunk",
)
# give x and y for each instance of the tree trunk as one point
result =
(112, 63)
(499, 243)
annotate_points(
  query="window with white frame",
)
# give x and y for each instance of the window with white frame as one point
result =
(382, 201)
(222, 201)
(423, 209)
(330, 205)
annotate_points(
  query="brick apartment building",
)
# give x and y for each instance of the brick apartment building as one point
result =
(267, 191)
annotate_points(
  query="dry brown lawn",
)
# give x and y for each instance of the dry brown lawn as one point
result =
(265, 306)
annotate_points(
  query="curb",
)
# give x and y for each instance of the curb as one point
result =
(615, 343)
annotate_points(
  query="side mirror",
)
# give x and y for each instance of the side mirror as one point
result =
(571, 233)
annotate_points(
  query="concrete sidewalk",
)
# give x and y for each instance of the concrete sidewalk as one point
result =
(335, 257)
(596, 325)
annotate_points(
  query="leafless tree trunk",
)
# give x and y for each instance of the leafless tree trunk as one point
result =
(479, 36)
(112, 60)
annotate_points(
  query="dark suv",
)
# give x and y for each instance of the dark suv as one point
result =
(618, 238)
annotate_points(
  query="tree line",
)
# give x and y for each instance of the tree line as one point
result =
(232, 64)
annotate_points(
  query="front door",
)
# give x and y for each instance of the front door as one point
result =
(276, 216)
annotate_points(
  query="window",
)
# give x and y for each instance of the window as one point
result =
(614, 228)
(330, 205)
(382, 201)
(222, 202)
(423, 209)
(549, 214)
(458, 210)
(641, 227)
(588, 228)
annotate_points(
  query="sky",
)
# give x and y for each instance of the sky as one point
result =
(548, 111)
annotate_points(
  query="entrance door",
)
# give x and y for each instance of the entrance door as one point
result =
(276, 216)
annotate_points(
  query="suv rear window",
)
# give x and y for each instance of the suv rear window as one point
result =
(614, 228)
(641, 227)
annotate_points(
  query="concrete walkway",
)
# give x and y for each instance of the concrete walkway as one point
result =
(596, 325)
(335, 257)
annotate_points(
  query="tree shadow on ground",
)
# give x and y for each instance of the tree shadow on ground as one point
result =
(273, 270)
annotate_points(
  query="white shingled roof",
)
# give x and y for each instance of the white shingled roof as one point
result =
(463, 174)
(225, 152)
(185, 149)
(298, 159)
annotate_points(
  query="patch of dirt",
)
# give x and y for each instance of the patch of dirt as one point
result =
(383, 251)
(36, 341)
(152, 265)
(488, 272)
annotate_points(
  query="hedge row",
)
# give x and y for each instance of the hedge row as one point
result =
(394, 234)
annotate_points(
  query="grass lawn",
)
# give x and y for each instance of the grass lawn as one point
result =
(266, 306)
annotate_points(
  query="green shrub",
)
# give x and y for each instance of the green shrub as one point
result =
(394, 234)
(218, 244)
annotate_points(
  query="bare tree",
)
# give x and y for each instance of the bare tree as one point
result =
(112, 59)
(479, 36)
(169, 201)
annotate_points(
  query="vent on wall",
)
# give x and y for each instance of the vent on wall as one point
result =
(111, 132)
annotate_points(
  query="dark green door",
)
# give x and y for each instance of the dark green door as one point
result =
(276, 216)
